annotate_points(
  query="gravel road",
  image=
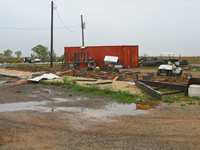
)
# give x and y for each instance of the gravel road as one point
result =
(47, 124)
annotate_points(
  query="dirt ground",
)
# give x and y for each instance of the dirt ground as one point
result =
(65, 119)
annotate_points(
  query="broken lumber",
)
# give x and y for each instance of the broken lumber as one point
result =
(85, 79)
(25, 82)
(115, 78)
(99, 83)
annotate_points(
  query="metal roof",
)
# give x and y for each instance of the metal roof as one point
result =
(44, 76)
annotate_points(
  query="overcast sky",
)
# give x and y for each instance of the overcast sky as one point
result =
(154, 25)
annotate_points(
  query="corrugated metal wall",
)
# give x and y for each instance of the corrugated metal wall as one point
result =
(128, 55)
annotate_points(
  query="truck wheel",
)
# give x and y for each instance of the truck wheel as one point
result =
(158, 72)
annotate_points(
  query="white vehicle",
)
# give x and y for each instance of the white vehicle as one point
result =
(171, 68)
(35, 58)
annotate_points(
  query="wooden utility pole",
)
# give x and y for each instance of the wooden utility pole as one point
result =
(51, 34)
(82, 30)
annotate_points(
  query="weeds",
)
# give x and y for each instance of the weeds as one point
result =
(22, 65)
(191, 103)
(183, 104)
(124, 96)
(121, 96)
(68, 81)
(57, 83)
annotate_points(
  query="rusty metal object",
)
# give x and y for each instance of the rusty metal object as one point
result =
(145, 85)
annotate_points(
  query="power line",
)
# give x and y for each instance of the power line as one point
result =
(145, 14)
(15, 28)
(30, 28)
(134, 8)
(78, 27)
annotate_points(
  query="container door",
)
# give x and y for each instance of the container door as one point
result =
(134, 56)
(127, 57)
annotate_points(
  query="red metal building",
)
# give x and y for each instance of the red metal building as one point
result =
(128, 54)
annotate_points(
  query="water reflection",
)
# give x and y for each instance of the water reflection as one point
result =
(112, 109)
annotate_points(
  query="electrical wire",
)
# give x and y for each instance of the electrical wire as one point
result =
(145, 14)
(65, 27)
(78, 27)
(30, 28)
(134, 8)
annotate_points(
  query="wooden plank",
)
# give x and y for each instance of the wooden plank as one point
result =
(99, 83)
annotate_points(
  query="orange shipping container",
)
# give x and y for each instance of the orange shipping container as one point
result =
(128, 54)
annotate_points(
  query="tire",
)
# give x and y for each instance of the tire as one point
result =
(169, 73)
(180, 73)
(158, 72)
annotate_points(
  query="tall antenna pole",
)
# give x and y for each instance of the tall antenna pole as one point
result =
(82, 30)
(51, 34)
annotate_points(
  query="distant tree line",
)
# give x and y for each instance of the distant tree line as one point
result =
(8, 53)
(39, 51)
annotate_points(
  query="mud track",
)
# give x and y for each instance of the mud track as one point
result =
(163, 127)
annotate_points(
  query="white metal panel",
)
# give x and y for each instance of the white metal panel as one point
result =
(111, 59)
(44, 76)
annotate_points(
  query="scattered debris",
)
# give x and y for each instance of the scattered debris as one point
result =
(36, 92)
(115, 78)
(143, 107)
(83, 74)
(145, 85)
(181, 99)
(150, 62)
(10, 75)
(146, 77)
(18, 91)
(45, 76)
(190, 82)
(85, 79)
(99, 83)
(21, 82)
(103, 77)
(120, 78)
(184, 62)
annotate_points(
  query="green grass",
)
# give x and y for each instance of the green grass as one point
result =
(1, 75)
(183, 104)
(193, 69)
(163, 90)
(22, 65)
(176, 98)
(55, 65)
(122, 96)
(10, 60)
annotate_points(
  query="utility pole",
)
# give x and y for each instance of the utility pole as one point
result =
(82, 30)
(51, 34)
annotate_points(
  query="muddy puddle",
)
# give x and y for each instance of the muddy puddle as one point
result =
(112, 109)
